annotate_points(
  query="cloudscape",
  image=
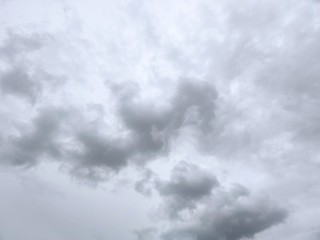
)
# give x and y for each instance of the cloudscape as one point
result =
(159, 120)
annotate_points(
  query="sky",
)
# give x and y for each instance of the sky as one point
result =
(159, 120)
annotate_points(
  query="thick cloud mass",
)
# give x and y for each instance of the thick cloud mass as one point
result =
(98, 151)
(188, 185)
(215, 213)
(186, 120)
(152, 127)
(35, 141)
(234, 222)
(150, 131)
(19, 83)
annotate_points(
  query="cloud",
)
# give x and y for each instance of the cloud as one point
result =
(18, 82)
(231, 87)
(35, 142)
(145, 184)
(97, 151)
(22, 75)
(153, 125)
(198, 207)
(236, 220)
(188, 184)
(16, 44)
(145, 234)
(148, 130)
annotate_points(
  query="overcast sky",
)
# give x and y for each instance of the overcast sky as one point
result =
(159, 120)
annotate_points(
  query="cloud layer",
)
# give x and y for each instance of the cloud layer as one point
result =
(189, 120)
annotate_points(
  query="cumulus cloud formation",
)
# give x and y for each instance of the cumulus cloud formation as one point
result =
(189, 120)
(35, 141)
(188, 184)
(18, 82)
(149, 131)
(231, 222)
(153, 125)
(211, 211)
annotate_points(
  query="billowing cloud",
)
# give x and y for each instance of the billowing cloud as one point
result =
(187, 185)
(150, 131)
(119, 92)
(152, 125)
(211, 211)
(18, 82)
(35, 142)
(236, 220)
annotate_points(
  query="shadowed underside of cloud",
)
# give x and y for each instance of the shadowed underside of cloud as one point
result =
(199, 208)
(188, 185)
(16, 44)
(149, 129)
(232, 222)
(153, 127)
(36, 141)
(18, 82)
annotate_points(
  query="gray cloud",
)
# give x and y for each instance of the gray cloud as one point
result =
(35, 141)
(150, 130)
(17, 44)
(152, 126)
(232, 222)
(188, 184)
(18, 82)
(234, 86)
(97, 151)
(199, 208)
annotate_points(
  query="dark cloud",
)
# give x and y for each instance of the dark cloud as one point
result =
(18, 82)
(231, 222)
(149, 129)
(197, 98)
(98, 151)
(199, 208)
(188, 184)
(38, 140)
(16, 44)
(74, 140)
(152, 126)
